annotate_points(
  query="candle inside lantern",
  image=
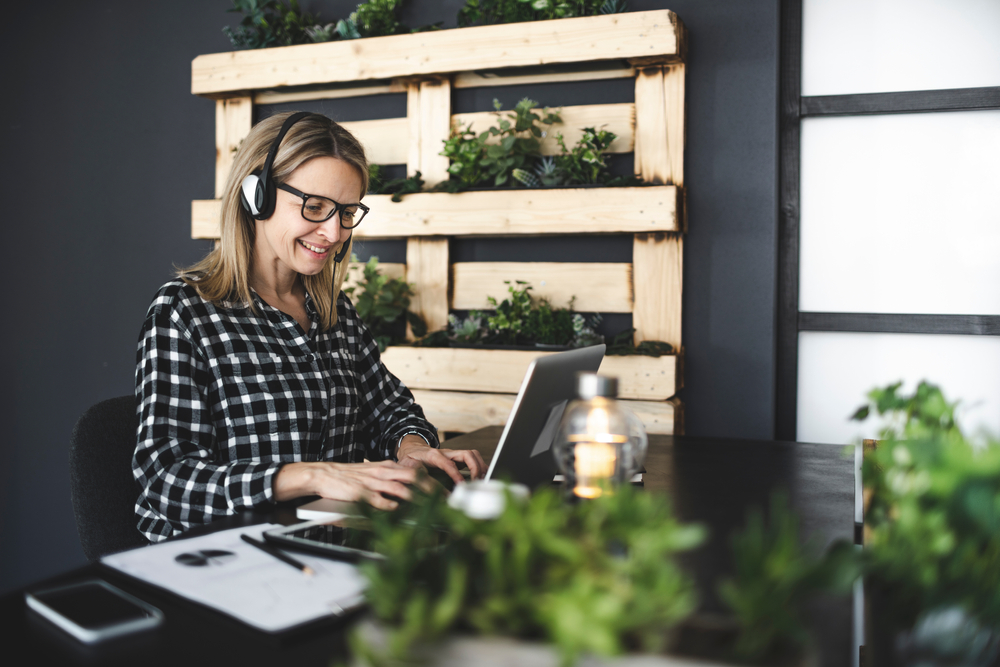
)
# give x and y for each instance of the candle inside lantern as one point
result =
(595, 460)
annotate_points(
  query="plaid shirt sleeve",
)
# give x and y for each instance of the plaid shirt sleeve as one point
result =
(175, 463)
(389, 410)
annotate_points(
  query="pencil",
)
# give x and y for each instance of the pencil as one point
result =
(263, 546)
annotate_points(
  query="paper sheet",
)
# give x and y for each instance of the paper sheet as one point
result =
(223, 572)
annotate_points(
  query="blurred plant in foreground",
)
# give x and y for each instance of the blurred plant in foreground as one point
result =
(934, 517)
(597, 577)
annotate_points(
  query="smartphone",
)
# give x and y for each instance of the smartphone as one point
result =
(94, 610)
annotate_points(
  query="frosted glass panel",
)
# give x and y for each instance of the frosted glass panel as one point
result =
(836, 370)
(877, 46)
(900, 213)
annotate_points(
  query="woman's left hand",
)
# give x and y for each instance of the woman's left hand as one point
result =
(413, 452)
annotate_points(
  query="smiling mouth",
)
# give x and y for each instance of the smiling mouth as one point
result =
(314, 248)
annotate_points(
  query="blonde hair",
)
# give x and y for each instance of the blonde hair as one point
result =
(224, 274)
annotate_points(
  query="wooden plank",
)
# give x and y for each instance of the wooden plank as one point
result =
(619, 118)
(658, 269)
(501, 371)
(652, 159)
(659, 417)
(607, 37)
(385, 140)
(328, 92)
(468, 411)
(507, 77)
(513, 212)
(206, 215)
(427, 269)
(463, 411)
(413, 122)
(233, 120)
(673, 95)
(501, 213)
(603, 288)
(355, 273)
(435, 128)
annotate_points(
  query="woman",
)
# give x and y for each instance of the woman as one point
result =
(256, 380)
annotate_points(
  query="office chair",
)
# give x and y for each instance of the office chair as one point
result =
(101, 483)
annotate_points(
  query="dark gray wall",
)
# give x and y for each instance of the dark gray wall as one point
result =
(106, 147)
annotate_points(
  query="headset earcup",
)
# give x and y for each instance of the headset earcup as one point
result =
(251, 194)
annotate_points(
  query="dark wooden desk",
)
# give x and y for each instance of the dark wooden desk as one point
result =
(711, 480)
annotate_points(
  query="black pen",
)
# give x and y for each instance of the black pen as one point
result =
(263, 546)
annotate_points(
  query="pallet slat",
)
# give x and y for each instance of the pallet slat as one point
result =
(497, 213)
(610, 37)
(428, 107)
(355, 273)
(603, 288)
(464, 412)
(233, 120)
(385, 140)
(658, 265)
(618, 118)
(501, 371)
(427, 269)
(490, 78)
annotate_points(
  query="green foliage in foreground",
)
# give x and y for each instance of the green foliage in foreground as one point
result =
(935, 511)
(596, 577)
(383, 305)
(774, 575)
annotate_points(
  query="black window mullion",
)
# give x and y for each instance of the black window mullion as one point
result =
(966, 325)
(787, 338)
(955, 99)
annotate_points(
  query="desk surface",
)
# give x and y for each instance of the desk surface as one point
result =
(711, 480)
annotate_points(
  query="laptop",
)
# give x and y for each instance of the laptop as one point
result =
(524, 453)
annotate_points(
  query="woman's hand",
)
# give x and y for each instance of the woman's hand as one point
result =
(413, 452)
(368, 482)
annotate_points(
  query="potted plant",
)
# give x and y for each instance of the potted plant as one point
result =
(598, 577)
(932, 546)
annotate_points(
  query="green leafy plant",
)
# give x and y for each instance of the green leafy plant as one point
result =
(596, 577)
(374, 18)
(383, 305)
(521, 319)
(515, 11)
(268, 23)
(774, 576)
(397, 187)
(493, 156)
(623, 344)
(934, 517)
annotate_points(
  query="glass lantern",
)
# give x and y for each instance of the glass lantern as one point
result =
(601, 443)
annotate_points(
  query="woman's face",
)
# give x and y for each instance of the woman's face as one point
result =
(286, 242)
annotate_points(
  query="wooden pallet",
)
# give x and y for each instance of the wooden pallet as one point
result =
(465, 389)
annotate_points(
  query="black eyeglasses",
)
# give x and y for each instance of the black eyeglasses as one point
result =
(321, 209)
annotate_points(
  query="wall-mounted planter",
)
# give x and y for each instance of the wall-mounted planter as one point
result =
(647, 47)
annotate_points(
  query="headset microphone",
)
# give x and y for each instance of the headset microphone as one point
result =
(339, 257)
(257, 190)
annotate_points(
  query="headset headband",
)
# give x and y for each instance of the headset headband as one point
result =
(265, 172)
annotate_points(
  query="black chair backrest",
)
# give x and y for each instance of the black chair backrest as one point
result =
(101, 483)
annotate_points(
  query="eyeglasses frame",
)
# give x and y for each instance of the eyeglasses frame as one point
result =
(337, 206)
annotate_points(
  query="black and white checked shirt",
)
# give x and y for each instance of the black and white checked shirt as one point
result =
(226, 397)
